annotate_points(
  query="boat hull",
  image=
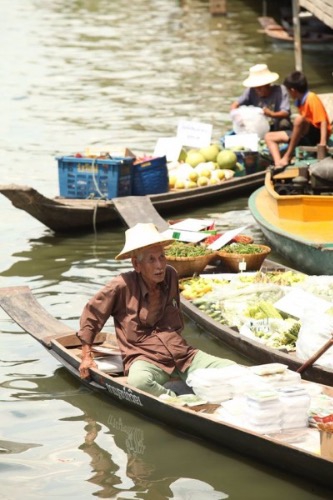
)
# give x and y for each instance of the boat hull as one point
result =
(78, 215)
(299, 227)
(255, 351)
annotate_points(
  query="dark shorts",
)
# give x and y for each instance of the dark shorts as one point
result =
(312, 138)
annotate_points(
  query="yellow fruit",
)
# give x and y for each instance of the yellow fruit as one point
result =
(228, 174)
(180, 184)
(210, 152)
(205, 172)
(194, 158)
(213, 180)
(202, 181)
(172, 181)
(193, 176)
(204, 169)
(227, 159)
(190, 184)
(218, 174)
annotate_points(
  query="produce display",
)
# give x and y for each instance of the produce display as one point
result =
(203, 167)
(247, 303)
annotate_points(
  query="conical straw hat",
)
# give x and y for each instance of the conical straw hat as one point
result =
(142, 236)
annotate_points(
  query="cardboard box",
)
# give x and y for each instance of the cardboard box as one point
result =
(97, 151)
(326, 445)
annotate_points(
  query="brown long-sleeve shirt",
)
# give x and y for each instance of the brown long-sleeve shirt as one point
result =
(126, 298)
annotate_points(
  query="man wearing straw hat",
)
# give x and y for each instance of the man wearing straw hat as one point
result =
(273, 99)
(145, 306)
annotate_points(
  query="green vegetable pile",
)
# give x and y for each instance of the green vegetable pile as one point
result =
(181, 249)
(278, 333)
(243, 248)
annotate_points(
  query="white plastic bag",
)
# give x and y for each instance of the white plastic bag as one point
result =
(249, 120)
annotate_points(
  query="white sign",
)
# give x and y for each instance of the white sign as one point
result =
(169, 147)
(194, 134)
(248, 141)
(298, 302)
(225, 238)
(188, 236)
(193, 224)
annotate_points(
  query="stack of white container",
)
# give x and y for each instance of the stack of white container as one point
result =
(296, 404)
(263, 411)
(221, 384)
(277, 410)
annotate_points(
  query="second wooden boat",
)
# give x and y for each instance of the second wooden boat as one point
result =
(65, 215)
(298, 226)
(281, 33)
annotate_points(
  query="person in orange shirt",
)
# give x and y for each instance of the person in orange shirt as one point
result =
(311, 126)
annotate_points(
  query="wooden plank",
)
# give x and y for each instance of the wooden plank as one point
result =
(23, 308)
(327, 100)
(135, 209)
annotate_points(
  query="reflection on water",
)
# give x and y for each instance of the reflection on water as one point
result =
(125, 467)
(13, 447)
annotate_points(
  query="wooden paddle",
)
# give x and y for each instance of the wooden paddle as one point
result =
(315, 356)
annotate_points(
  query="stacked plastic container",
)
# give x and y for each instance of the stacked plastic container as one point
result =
(283, 409)
(296, 404)
(263, 412)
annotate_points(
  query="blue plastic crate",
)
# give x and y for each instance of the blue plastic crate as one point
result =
(94, 177)
(150, 177)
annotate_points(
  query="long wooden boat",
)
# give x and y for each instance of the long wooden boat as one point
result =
(298, 226)
(249, 348)
(298, 451)
(280, 33)
(255, 351)
(64, 215)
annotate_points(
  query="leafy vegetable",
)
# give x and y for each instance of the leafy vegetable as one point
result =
(243, 248)
(180, 249)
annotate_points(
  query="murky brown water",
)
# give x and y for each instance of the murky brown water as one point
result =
(102, 72)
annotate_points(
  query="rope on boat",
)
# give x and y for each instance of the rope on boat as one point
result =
(101, 195)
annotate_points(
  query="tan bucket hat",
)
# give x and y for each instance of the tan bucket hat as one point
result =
(260, 75)
(142, 236)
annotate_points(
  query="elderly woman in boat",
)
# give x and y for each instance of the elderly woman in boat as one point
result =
(145, 306)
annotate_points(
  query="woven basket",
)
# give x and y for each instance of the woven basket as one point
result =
(253, 260)
(187, 266)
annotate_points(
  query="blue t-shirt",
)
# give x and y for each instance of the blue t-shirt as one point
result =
(278, 100)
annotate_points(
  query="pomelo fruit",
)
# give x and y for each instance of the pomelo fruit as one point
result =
(226, 159)
(210, 152)
(194, 158)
